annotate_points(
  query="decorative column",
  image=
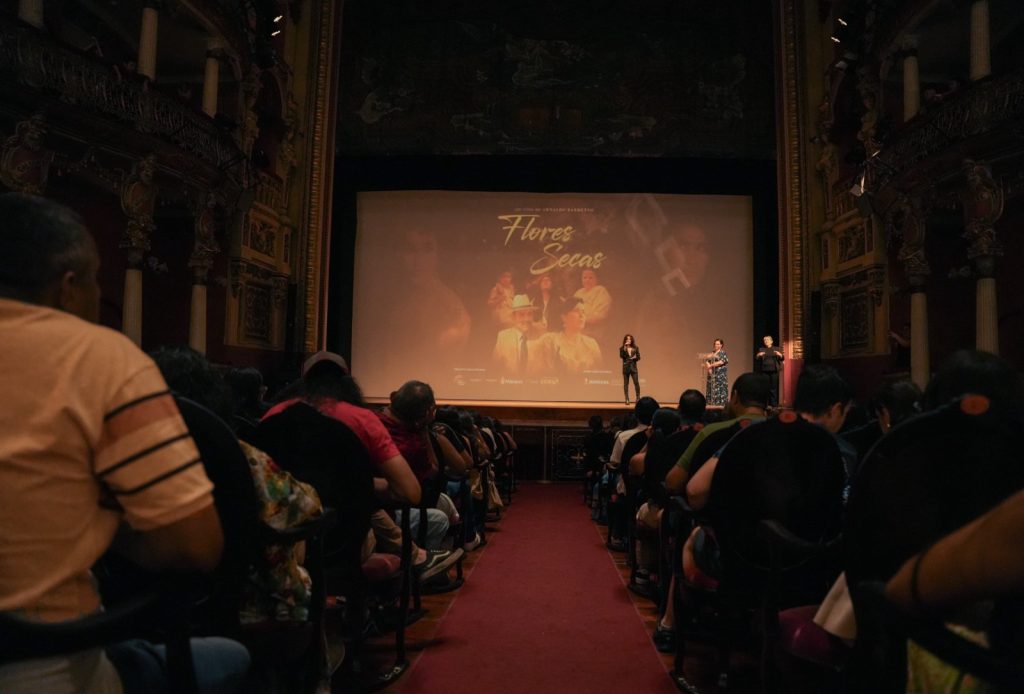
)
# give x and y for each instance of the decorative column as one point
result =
(138, 201)
(983, 205)
(211, 77)
(912, 225)
(31, 12)
(147, 40)
(981, 50)
(911, 79)
(200, 262)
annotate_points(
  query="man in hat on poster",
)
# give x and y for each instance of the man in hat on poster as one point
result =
(512, 350)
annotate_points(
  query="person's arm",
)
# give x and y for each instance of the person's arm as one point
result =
(636, 463)
(760, 354)
(675, 480)
(453, 460)
(698, 489)
(981, 559)
(402, 483)
(193, 543)
(680, 472)
(636, 354)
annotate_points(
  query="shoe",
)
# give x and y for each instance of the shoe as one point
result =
(438, 560)
(472, 544)
(627, 401)
(665, 640)
(442, 583)
(617, 545)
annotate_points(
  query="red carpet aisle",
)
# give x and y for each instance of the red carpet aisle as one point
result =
(544, 610)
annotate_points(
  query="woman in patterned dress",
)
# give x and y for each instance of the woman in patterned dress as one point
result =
(717, 364)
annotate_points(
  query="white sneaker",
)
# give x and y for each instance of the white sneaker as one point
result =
(472, 544)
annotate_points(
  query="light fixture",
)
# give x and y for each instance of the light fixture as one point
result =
(278, 18)
(838, 19)
(834, 39)
(275, 32)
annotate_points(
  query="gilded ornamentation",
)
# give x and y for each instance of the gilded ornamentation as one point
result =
(830, 298)
(251, 86)
(207, 225)
(876, 284)
(318, 215)
(983, 205)
(138, 202)
(982, 107)
(907, 220)
(30, 59)
(286, 152)
(855, 321)
(793, 233)
(868, 88)
(24, 162)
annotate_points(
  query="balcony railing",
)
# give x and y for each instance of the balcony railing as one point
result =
(30, 59)
(960, 125)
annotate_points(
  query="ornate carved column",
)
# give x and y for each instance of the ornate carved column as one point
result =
(983, 205)
(147, 39)
(31, 12)
(981, 50)
(911, 79)
(138, 201)
(200, 262)
(910, 220)
(211, 77)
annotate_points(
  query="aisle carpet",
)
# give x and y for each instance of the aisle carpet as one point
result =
(544, 610)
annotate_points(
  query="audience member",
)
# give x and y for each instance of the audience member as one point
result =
(88, 421)
(328, 386)
(408, 419)
(748, 400)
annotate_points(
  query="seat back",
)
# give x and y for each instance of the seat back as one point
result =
(660, 458)
(238, 507)
(927, 477)
(327, 454)
(786, 470)
(712, 443)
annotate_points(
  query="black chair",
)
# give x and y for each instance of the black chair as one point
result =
(238, 509)
(787, 471)
(619, 505)
(657, 464)
(927, 477)
(164, 605)
(328, 455)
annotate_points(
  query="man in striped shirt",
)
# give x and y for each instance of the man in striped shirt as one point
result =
(92, 445)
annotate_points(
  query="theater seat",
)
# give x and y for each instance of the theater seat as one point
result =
(381, 567)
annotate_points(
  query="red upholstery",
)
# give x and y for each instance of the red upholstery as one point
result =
(380, 567)
(800, 636)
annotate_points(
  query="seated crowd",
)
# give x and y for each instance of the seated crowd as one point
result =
(167, 461)
(768, 526)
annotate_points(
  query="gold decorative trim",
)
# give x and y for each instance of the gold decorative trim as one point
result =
(321, 158)
(792, 234)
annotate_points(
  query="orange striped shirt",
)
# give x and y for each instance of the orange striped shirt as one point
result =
(90, 437)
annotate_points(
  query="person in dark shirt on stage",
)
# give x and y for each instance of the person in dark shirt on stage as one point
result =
(769, 362)
(629, 353)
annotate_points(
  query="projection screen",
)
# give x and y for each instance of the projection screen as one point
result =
(504, 296)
